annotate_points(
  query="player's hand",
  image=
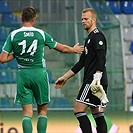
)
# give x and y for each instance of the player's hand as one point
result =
(98, 91)
(78, 49)
(60, 82)
(96, 82)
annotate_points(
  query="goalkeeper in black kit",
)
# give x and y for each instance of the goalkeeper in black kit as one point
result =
(93, 90)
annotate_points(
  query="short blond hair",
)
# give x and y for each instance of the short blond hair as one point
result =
(93, 11)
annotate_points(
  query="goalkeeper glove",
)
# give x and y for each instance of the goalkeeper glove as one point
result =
(98, 91)
(97, 88)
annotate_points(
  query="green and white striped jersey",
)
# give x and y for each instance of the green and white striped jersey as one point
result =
(27, 44)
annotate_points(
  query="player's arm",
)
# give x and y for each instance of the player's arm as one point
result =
(100, 48)
(51, 43)
(62, 80)
(101, 55)
(5, 57)
(6, 54)
(77, 67)
(67, 49)
(96, 87)
(80, 64)
(100, 66)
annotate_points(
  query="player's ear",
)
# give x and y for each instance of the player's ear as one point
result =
(21, 19)
(34, 19)
(94, 19)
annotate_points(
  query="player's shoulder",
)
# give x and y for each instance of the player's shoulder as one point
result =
(97, 33)
(16, 30)
(37, 29)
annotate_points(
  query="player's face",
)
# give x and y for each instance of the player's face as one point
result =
(87, 21)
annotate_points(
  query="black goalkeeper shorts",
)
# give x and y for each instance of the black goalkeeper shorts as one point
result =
(85, 96)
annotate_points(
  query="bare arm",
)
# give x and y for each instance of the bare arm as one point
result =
(5, 57)
(62, 80)
(67, 49)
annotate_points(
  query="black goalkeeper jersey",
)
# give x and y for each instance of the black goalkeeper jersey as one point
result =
(93, 58)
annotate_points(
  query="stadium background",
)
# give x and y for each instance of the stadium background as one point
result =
(62, 19)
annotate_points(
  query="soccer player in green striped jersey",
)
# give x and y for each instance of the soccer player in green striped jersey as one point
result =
(27, 46)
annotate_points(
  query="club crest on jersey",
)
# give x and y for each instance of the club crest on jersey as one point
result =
(86, 50)
(100, 42)
(29, 34)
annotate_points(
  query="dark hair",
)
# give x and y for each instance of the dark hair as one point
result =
(28, 13)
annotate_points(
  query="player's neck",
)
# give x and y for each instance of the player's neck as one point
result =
(28, 24)
(91, 29)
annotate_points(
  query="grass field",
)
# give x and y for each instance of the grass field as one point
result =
(61, 121)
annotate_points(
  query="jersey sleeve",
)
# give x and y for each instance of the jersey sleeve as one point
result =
(49, 41)
(79, 65)
(101, 60)
(99, 41)
(8, 45)
(100, 48)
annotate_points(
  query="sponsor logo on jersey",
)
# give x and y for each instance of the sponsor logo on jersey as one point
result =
(28, 34)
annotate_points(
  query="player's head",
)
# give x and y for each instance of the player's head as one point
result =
(92, 11)
(89, 16)
(28, 14)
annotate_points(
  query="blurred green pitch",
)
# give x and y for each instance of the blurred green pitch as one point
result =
(61, 121)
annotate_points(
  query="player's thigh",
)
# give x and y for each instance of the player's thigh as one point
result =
(24, 96)
(80, 107)
(41, 88)
(24, 93)
(95, 110)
